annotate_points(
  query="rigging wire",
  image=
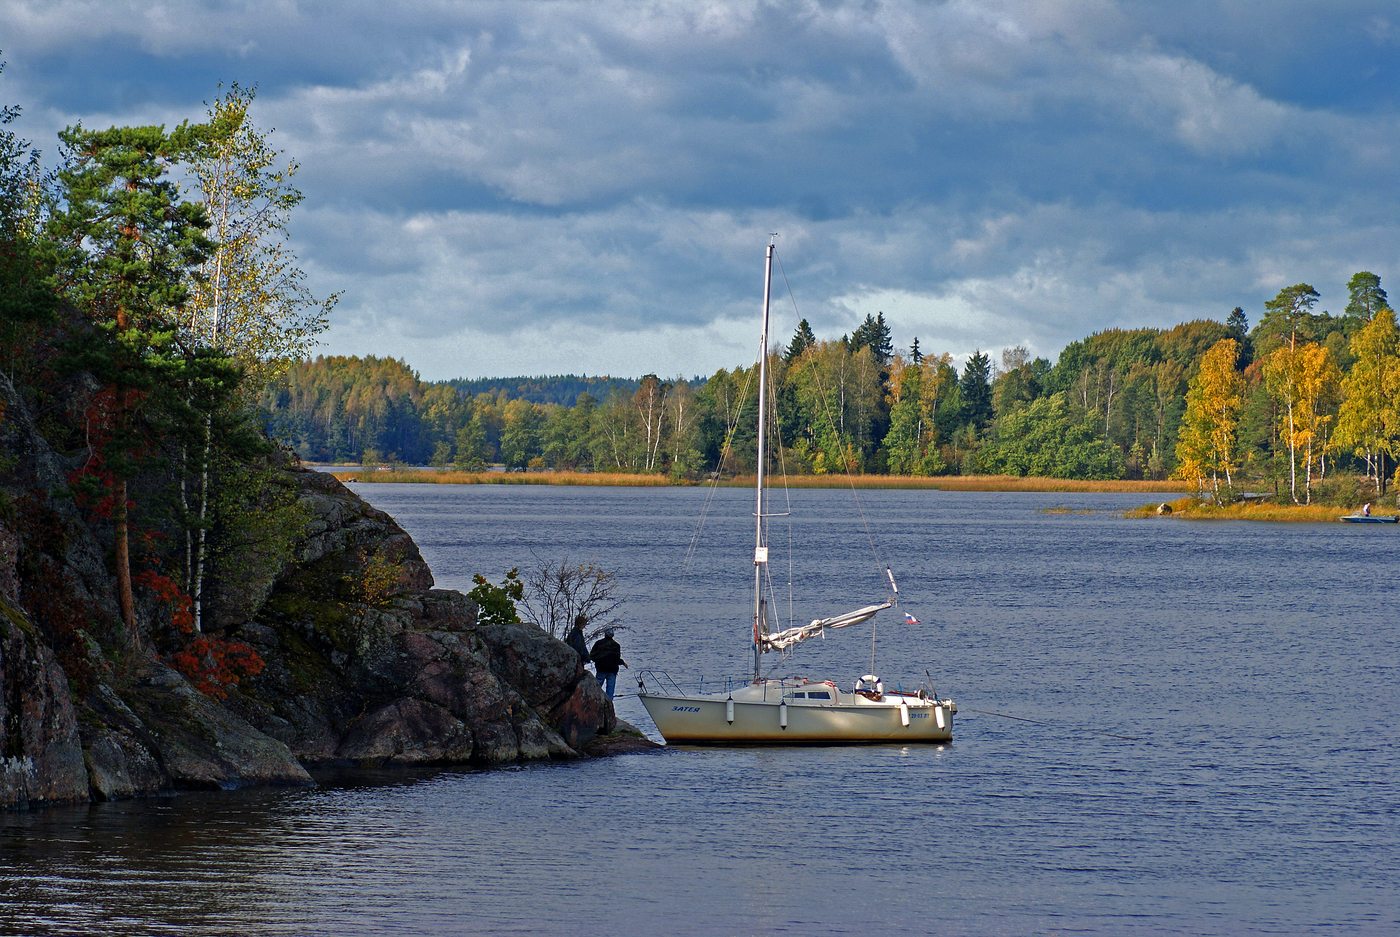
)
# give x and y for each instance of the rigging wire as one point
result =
(782, 469)
(725, 451)
(845, 462)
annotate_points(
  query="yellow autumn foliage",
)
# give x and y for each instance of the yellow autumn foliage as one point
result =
(1206, 447)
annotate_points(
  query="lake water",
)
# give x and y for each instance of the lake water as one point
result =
(1253, 666)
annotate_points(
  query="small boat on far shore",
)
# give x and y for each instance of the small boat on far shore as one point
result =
(1370, 518)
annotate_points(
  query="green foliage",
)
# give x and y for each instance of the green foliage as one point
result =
(496, 604)
(332, 409)
(564, 390)
(1289, 320)
(126, 238)
(254, 523)
(249, 297)
(802, 339)
(1365, 296)
(27, 297)
(379, 581)
(874, 334)
(471, 445)
(976, 389)
(910, 443)
(1238, 326)
(836, 407)
(522, 423)
(1048, 438)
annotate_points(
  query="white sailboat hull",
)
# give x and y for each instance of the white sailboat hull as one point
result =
(793, 710)
(705, 719)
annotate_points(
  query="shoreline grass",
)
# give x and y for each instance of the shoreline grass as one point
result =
(429, 477)
(969, 483)
(1191, 510)
(991, 483)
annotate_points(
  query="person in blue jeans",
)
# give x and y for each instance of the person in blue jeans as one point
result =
(607, 657)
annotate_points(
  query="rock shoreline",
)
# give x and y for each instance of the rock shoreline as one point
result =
(412, 679)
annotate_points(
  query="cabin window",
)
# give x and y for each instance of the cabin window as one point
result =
(822, 695)
(799, 696)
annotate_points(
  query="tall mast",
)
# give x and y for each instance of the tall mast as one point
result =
(760, 553)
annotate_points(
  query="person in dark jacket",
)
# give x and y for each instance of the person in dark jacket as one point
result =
(576, 640)
(607, 657)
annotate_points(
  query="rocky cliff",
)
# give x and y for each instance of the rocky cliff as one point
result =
(358, 668)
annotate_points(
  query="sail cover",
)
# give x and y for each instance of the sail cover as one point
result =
(782, 640)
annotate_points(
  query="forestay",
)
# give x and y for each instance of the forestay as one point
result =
(782, 640)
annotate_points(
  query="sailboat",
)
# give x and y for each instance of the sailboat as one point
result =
(793, 710)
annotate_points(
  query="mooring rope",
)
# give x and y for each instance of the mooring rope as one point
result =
(1053, 725)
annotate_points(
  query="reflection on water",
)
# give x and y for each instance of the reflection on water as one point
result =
(1257, 665)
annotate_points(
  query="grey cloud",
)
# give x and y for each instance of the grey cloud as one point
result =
(535, 180)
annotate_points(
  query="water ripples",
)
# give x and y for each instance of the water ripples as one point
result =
(1255, 663)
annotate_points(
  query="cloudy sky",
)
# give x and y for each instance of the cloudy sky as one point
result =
(529, 188)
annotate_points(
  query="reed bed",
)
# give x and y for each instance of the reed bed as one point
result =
(1190, 509)
(627, 480)
(970, 483)
(413, 477)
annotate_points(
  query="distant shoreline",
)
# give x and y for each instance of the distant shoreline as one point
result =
(1004, 483)
(1189, 509)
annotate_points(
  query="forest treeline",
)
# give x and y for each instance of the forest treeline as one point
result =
(563, 389)
(1117, 404)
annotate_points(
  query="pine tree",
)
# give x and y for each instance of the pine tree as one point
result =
(1366, 296)
(1287, 318)
(914, 354)
(127, 243)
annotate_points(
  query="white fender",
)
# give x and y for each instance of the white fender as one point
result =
(904, 714)
(782, 715)
(938, 715)
(729, 711)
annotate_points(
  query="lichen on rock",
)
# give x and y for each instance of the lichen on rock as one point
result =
(351, 682)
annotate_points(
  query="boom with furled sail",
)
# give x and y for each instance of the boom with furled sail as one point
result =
(783, 640)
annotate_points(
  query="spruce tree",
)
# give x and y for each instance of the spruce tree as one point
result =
(875, 334)
(802, 339)
(1238, 324)
(976, 390)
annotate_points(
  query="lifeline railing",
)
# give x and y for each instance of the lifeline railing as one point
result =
(664, 684)
(660, 682)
